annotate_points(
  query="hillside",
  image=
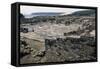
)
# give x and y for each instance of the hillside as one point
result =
(83, 13)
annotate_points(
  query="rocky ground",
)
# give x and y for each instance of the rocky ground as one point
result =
(61, 40)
